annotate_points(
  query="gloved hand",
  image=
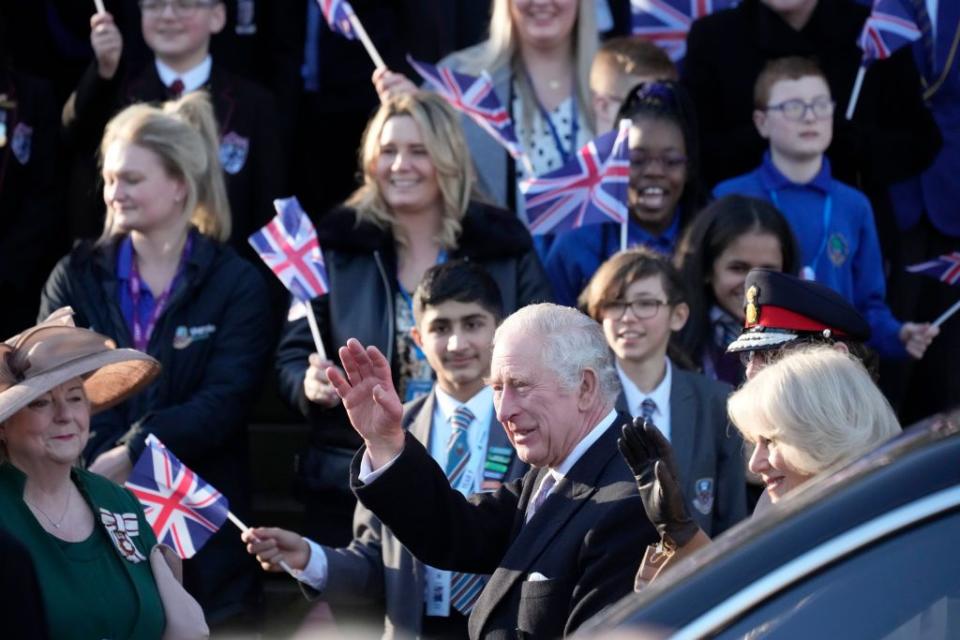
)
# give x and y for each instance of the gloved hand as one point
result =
(649, 456)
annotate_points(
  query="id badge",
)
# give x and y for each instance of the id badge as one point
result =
(438, 591)
(807, 273)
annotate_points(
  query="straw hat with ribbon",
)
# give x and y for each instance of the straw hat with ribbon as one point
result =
(55, 351)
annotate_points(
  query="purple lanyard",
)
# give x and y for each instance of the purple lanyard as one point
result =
(141, 333)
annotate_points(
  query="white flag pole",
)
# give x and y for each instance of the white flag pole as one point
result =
(855, 95)
(946, 314)
(623, 233)
(99, 5)
(283, 563)
(315, 330)
(365, 39)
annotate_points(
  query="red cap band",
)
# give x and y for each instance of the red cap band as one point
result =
(780, 318)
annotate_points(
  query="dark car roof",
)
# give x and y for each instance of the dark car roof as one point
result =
(923, 460)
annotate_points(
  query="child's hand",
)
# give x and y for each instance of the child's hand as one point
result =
(390, 84)
(107, 44)
(271, 546)
(917, 337)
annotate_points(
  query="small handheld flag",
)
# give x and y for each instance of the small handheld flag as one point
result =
(666, 22)
(288, 245)
(590, 189)
(946, 269)
(183, 510)
(888, 28)
(341, 18)
(475, 97)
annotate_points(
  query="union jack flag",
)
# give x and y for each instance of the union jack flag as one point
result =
(666, 22)
(888, 28)
(288, 244)
(337, 13)
(945, 268)
(475, 97)
(590, 189)
(183, 510)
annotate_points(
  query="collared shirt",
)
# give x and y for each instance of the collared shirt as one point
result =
(560, 472)
(481, 405)
(932, 12)
(192, 79)
(660, 395)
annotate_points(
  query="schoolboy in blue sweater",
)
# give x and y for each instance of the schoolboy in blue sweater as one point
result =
(832, 221)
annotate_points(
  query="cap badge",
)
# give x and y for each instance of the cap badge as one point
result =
(752, 310)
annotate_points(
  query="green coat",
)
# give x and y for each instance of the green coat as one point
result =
(90, 589)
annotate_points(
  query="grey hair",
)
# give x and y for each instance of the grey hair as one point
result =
(818, 404)
(572, 342)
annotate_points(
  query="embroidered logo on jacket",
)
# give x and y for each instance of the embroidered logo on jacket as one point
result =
(22, 142)
(703, 500)
(122, 528)
(183, 336)
(838, 249)
(233, 152)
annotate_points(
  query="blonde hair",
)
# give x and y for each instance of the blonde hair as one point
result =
(818, 404)
(443, 138)
(183, 134)
(502, 50)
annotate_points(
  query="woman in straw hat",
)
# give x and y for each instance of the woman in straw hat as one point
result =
(87, 537)
(162, 280)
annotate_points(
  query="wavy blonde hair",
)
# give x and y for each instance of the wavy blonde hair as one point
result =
(183, 134)
(818, 404)
(443, 138)
(502, 49)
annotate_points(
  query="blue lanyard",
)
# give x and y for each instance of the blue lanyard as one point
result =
(827, 214)
(441, 258)
(565, 155)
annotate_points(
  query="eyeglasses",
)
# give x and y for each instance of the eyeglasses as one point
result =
(642, 308)
(181, 8)
(759, 358)
(796, 110)
(642, 161)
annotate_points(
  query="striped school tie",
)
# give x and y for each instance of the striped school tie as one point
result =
(647, 408)
(465, 588)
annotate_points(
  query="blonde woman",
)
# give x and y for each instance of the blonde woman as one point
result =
(412, 211)
(161, 280)
(538, 54)
(810, 410)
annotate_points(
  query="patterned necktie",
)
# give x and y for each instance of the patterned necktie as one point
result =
(542, 493)
(465, 588)
(647, 409)
(175, 89)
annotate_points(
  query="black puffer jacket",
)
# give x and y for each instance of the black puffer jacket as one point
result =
(362, 268)
(214, 341)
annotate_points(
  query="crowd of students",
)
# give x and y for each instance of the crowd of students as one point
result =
(181, 120)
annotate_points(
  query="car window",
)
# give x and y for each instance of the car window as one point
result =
(906, 586)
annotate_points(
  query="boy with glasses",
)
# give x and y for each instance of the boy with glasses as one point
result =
(832, 221)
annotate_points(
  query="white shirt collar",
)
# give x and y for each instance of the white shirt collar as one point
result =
(585, 443)
(192, 79)
(479, 405)
(660, 395)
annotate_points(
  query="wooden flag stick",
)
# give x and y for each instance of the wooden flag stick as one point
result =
(99, 5)
(946, 314)
(283, 563)
(855, 95)
(315, 330)
(365, 39)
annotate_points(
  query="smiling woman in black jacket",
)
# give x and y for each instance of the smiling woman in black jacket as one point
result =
(413, 210)
(160, 279)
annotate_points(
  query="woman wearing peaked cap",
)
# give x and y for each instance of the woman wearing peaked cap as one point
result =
(87, 537)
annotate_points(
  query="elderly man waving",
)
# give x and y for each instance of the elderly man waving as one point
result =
(562, 542)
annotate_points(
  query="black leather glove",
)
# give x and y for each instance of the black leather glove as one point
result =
(649, 456)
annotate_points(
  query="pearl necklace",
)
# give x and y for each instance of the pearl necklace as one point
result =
(56, 524)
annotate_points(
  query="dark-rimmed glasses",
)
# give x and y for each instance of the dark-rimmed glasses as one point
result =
(642, 308)
(796, 110)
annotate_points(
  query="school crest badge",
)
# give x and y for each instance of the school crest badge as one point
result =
(22, 142)
(838, 249)
(233, 152)
(703, 496)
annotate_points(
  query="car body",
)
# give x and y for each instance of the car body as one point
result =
(869, 550)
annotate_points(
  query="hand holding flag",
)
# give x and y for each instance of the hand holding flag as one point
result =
(946, 269)
(475, 97)
(888, 28)
(288, 245)
(590, 189)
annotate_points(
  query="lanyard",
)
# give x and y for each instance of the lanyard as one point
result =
(565, 154)
(827, 214)
(142, 331)
(441, 258)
